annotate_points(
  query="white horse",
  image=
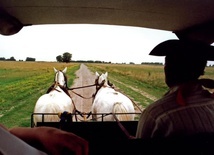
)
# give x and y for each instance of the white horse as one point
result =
(108, 100)
(56, 100)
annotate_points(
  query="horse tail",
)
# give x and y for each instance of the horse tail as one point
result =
(119, 108)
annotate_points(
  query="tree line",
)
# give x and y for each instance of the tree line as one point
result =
(13, 59)
(65, 57)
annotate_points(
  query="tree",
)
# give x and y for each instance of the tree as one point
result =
(30, 59)
(59, 58)
(11, 59)
(66, 57)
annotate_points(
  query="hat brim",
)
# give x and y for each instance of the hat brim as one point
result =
(192, 49)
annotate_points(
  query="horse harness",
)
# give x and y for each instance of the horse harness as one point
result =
(65, 90)
(63, 87)
(65, 115)
(98, 86)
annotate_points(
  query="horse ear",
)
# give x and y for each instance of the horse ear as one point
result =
(106, 74)
(97, 74)
(55, 70)
(64, 70)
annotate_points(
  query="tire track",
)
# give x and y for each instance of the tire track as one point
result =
(149, 96)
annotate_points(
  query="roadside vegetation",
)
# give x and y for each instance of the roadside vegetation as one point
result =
(22, 83)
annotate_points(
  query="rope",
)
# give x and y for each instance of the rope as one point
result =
(81, 87)
(123, 128)
(83, 114)
(82, 96)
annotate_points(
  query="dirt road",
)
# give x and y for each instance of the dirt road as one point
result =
(85, 78)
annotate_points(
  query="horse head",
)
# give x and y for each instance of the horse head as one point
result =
(101, 80)
(60, 77)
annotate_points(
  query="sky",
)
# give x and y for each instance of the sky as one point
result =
(116, 44)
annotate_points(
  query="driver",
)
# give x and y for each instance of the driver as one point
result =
(188, 107)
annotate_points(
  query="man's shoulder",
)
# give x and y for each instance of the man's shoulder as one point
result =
(162, 105)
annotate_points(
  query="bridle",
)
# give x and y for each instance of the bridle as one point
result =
(57, 84)
(56, 79)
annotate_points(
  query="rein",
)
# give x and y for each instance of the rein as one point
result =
(77, 112)
(123, 128)
(82, 87)
(82, 114)
(98, 86)
(82, 96)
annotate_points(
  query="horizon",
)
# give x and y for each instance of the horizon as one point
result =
(108, 43)
(84, 42)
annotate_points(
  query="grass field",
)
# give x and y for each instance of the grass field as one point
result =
(22, 83)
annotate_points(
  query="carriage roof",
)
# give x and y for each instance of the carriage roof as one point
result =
(187, 19)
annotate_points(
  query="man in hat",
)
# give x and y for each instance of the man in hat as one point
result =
(187, 108)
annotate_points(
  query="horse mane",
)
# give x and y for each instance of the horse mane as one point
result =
(65, 90)
(110, 84)
(50, 88)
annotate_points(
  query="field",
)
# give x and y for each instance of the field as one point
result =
(22, 83)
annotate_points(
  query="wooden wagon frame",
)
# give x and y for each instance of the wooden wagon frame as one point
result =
(108, 138)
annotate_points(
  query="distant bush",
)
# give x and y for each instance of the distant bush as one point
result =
(30, 59)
